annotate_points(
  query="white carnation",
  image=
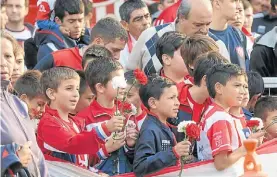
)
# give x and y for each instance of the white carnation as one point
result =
(261, 124)
(119, 82)
(183, 125)
(134, 109)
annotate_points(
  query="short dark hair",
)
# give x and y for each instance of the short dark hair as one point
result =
(168, 44)
(93, 52)
(128, 7)
(69, 6)
(130, 78)
(222, 73)
(255, 83)
(100, 70)
(265, 105)
(83, 82)
(108, 29)
(154, 88)
(3, 3)
(195, 45)
(53, 77)
(204, 63)
(29, 84)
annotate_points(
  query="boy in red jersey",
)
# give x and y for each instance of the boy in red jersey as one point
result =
(101, 115)
(59, 134)
(219, 138)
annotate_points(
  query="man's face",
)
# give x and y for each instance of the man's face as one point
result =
(239, 21)
(257, 5)
(266, 6)
(140, 20)
(229, 9)
(198, 21)
(115, 47)
(16, 10)
(75, 24)
(248, 18)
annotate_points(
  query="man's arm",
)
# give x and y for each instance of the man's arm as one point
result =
(45, 49)
(45, 63)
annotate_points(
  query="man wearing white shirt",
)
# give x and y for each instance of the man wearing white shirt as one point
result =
(135, 18)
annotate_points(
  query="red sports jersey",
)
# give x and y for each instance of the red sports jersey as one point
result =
(168, 15)
(218, 133)
(66, 138)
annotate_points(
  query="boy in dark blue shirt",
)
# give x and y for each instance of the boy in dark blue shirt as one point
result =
(156, 147)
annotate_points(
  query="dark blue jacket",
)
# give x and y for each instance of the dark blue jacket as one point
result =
(48, 41)
(247, 114)
(154, 148)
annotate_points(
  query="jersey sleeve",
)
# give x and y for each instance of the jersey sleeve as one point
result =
(219, 135)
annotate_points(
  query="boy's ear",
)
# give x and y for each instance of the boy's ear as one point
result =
(125, 25)
(58, 21)
(99, 88)
(152, 103)
(218, 88)
(50, 94)
(24, 98)
(166, 59)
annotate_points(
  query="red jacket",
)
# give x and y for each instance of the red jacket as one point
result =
(168, 15)
(59, 136)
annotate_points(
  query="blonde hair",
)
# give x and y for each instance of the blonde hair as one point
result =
(19, 51)
(5, 35)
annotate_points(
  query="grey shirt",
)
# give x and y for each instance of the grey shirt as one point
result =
(16, 126)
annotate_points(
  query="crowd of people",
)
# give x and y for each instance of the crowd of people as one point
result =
(111, 97)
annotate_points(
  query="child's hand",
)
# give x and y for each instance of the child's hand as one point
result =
(116, 123)
(64, 30)
(25, 154)
(182, 148)
(258, 136)
(131, 137)
(113, 145)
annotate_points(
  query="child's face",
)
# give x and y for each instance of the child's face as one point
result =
(85, 100)
(36, 106)
(109, 91)
(177, 64)
(234, 91)
(18, 68)
(272, 129)
(245, 96)
(168, 104)
(67, 95)
(133, 96)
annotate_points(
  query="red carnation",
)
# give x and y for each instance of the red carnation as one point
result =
(125, 107)
(193, 131)
(140, 77)
(252, 123)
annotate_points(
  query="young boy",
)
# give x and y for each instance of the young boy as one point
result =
(156, 147)
(59, 134)
(168, 53)
(100, 115)
(194, 99)
(256, 89)
(219, 137)
(266, 109)
(86, 96)
(133, 98)
(19, 66)
(29, 90)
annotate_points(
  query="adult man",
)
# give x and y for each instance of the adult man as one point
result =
(193, 17)
(235, 41)
(16, 11)
(264, 55)
(264, 22)
(135, 18)
(70, 14)
(107, 32)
